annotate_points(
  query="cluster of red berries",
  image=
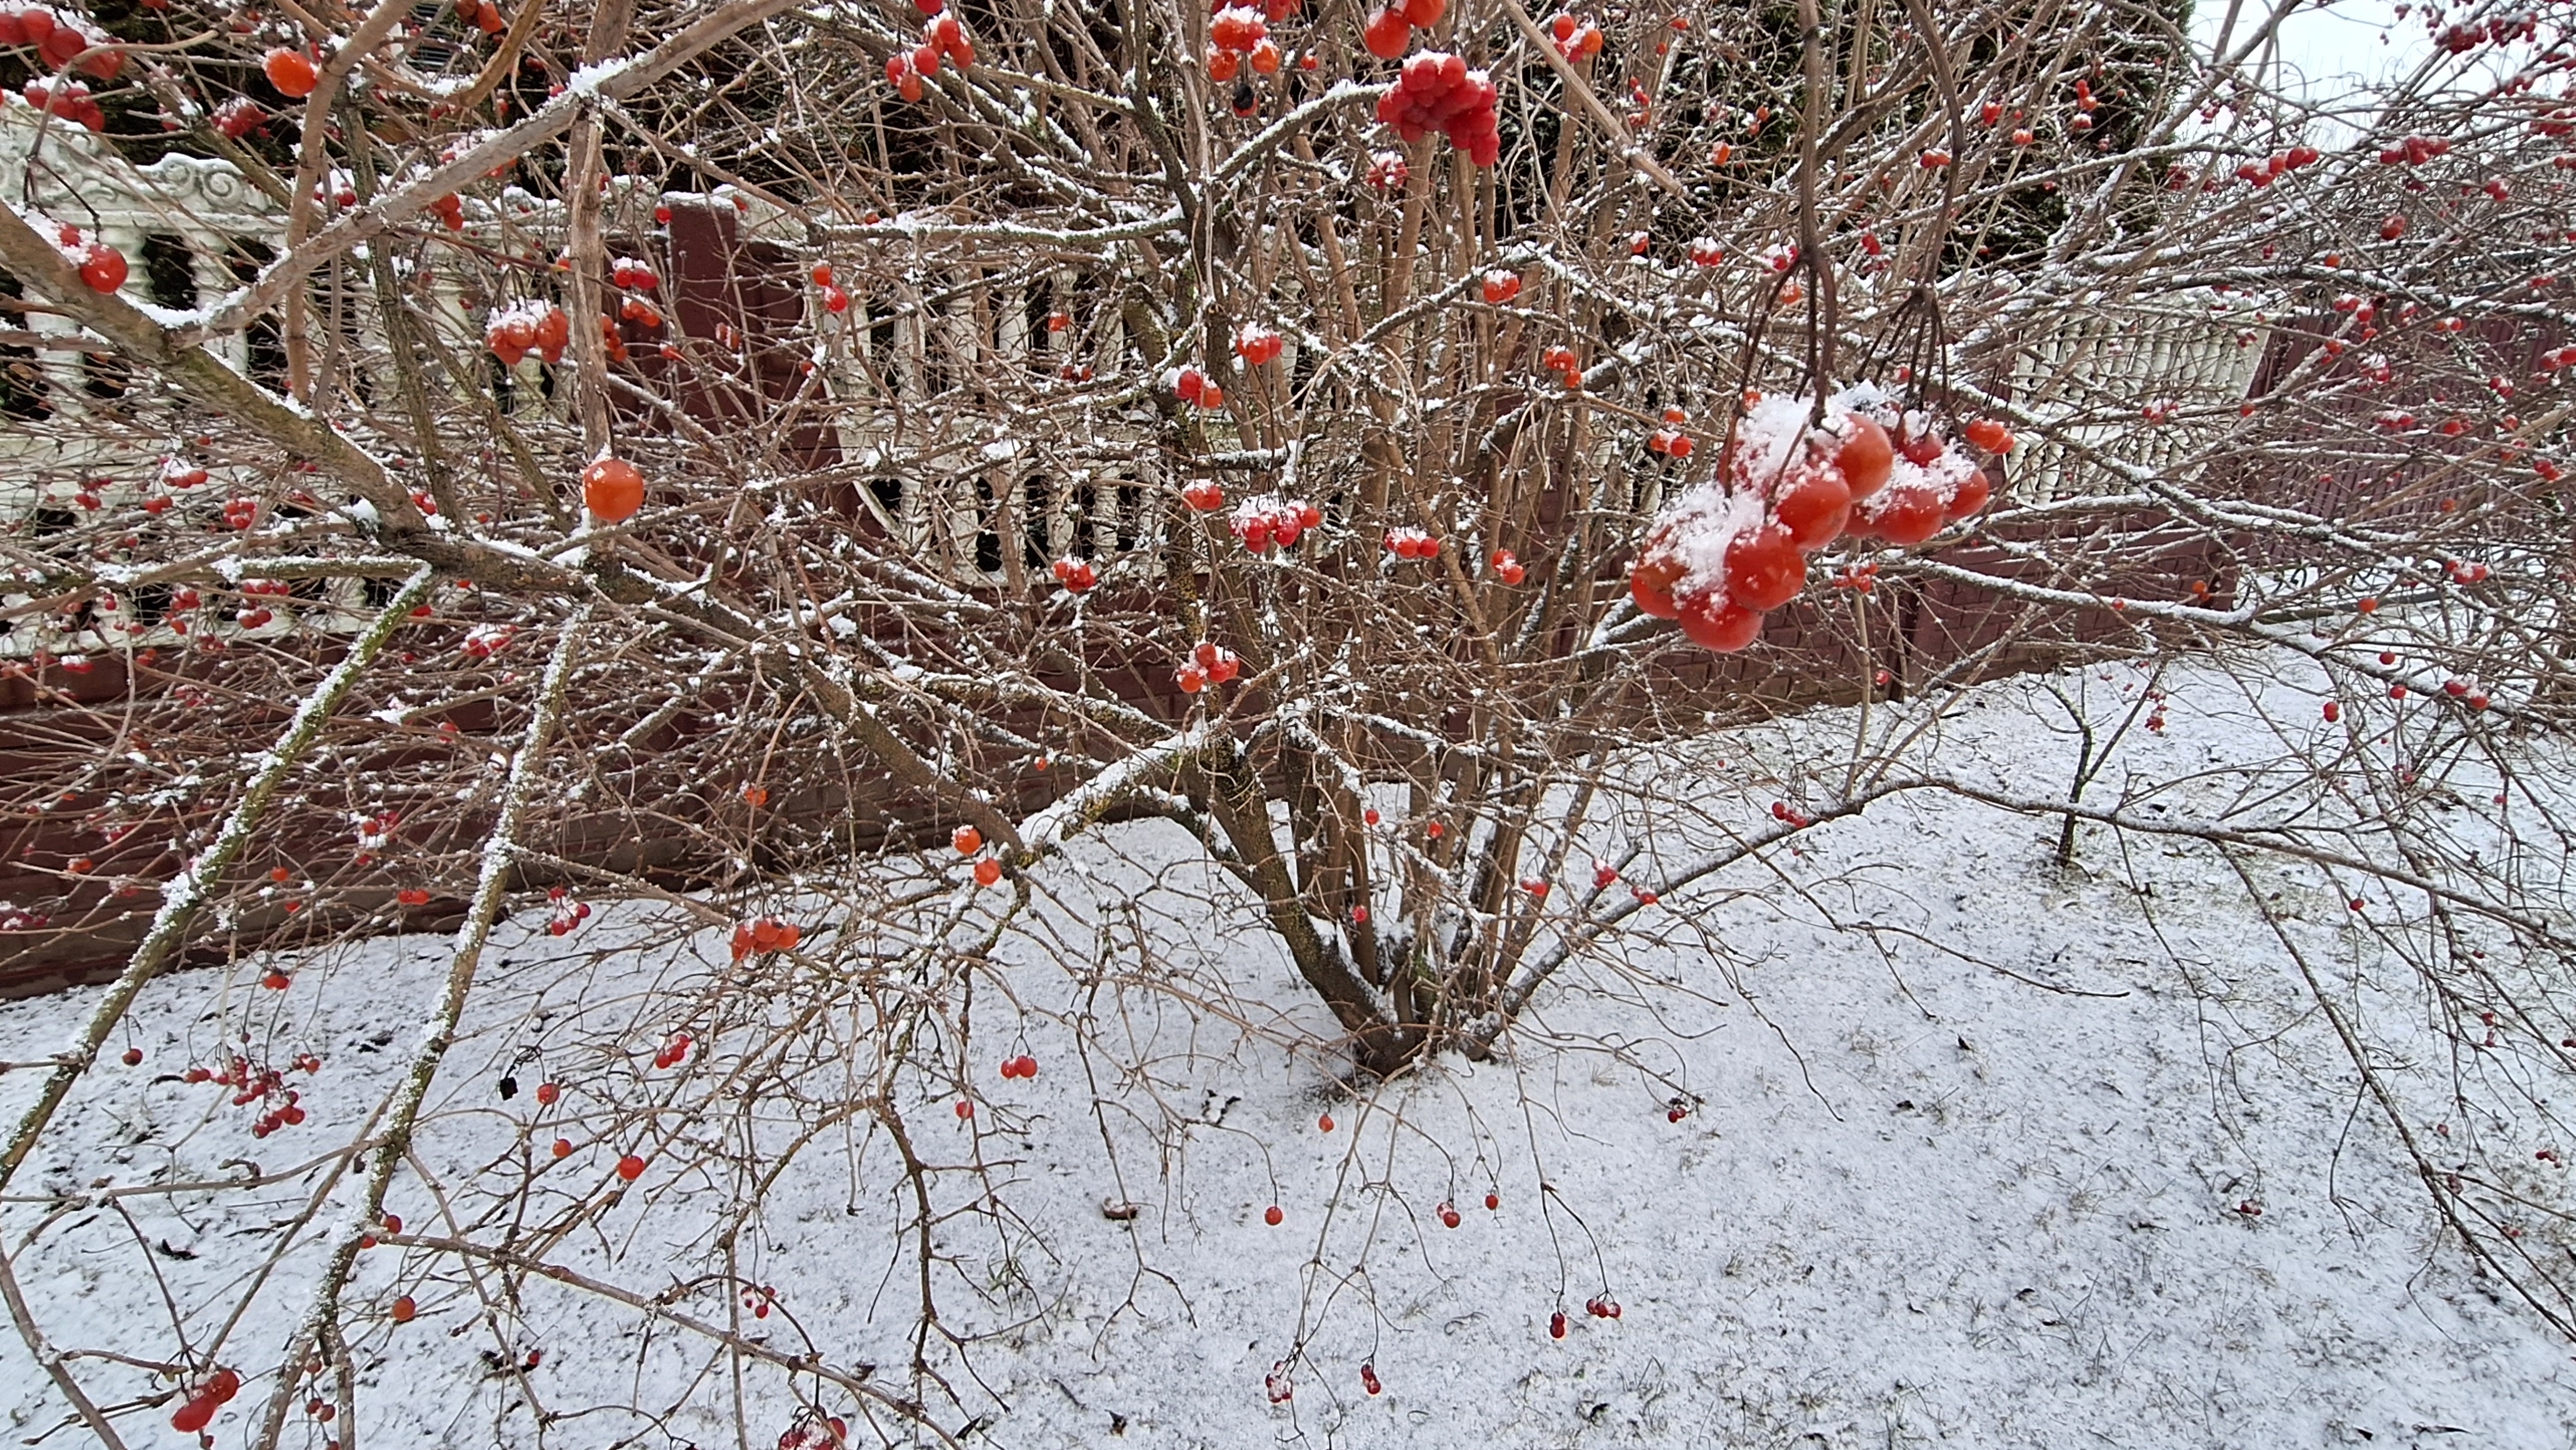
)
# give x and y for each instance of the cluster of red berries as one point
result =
(1076, 575)
(261, 1084)
(1577, 39)
(2279, 164)
(102, 267)
(1387, 171)
(566, 914)
(941, 37)
(1436, 92)
(514, 331)
(1239, 35)
(968, 841)
(71, 101)
(1601, 1306)
(1203, 495)
(764, 935)
(1560, 359)
(1500, 287)
(1269, 519)
(1508, 568)
(60, 39)
(675, 1051)
(1208, 665)
(815, 1433)
(1412, 544)
(1256, 344)
(2414, 151)
(1705, 252)
(1735, 548)
(213, 1393)
(1192, 386)
(835, 300)
(1020, 1066)
(1670, 440)
(1391, 28)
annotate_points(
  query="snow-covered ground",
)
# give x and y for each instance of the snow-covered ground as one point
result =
(1972, 1149)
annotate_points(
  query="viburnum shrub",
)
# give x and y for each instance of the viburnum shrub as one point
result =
(1149, 544)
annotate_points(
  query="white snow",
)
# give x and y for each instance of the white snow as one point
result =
(1966, 1145)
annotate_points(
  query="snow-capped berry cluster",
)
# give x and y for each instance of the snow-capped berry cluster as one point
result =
(1269, 519)
(1499, 286)
(1577, 39)
(1390, 29)
(1561, 360)
(1508, 568)
(71, 100)
(1387, 171)
(1733, 548)
(60, 36)
(941, 37)
(1256, 344)
(1076, 575)
(1436, 92)
(102, 267)
(486, 640)
(2414, 151)
(1192, 386)
(1237, 35)
(239, 116)
(1208, 665)
(816, 1433)
(1670, 440)
(1412, 544)
(527, 326)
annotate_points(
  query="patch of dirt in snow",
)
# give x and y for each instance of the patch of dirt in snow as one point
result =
(1974, 1176)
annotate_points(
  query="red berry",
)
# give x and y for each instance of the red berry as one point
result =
(404, 1309)
(1763, 569)
(134, 1057)
(1990, 435)
(1715, 622)
(1556, 1325)
(1273, 1216)
(1493, 1200)
(291, 72)
(102, 268)
(1387, 34)
(630, 1167)
(612, 489)
(563, 1147)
